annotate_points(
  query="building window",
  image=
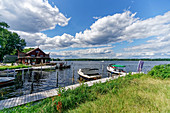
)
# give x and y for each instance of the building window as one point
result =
(33, 55)
(37, 51)
(41, 55)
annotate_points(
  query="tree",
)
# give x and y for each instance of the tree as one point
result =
(9, 41)
(27, 50)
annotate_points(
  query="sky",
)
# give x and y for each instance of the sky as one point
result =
(92, 28)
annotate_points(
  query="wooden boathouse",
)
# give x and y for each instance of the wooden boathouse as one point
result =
(35, 56)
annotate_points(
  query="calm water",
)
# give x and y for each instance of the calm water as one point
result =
(48, 79)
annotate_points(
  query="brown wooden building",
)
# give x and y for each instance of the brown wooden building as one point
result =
(35, 56)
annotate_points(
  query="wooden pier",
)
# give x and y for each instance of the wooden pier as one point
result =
(16, 101)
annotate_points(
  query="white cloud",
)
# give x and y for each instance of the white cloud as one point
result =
(116, 28)
(95, 17)
(105, 52)
(107, 29)
(31, 15)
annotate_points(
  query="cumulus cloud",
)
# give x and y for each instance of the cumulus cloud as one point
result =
(104, 52)
(107, 29)
(31, 15)
(116, 28)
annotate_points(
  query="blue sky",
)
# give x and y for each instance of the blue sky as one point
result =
(92, 28)
(83, 11)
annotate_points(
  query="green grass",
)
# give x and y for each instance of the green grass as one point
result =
(140, 95)
(13, 67)
(133, 93)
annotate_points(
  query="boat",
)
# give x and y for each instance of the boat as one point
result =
(6, 80)
(62, 65)
(89, 73)
(115, 69)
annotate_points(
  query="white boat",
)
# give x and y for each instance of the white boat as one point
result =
(6, 80)
(115, 69)
(89, 73)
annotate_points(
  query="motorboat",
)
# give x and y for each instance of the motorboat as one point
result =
(116, 69)
(6, 80)
(89, 73)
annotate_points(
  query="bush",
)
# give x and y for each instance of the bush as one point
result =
(161, 71)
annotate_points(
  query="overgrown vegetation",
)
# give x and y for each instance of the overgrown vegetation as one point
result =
(144, 95)
(162, 71)
(133, 93)
(27, 50)
(13, 67)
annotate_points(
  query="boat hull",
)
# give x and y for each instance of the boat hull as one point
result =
(6, 80)
(87, 77)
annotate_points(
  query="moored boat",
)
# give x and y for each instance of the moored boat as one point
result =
(6, 80)
(89, 73)
(115, 69)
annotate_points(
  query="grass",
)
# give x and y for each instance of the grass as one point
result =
(13, 67)
(133, 93)
(140, 95)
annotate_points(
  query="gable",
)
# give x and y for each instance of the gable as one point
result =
(36, 51)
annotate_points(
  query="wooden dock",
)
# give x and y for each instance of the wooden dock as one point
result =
(16, 101)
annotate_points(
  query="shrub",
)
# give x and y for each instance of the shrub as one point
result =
(161, 71)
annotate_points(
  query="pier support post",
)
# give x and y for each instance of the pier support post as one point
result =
(7, 72)
(32, 84)
(73, 76)
(41, 68)
(28, 71)
(102, 69)
(14, 73)
(57, 78)
(22, 77)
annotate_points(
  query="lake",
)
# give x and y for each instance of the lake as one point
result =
(36, 81)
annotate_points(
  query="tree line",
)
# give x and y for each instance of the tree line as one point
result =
(10, 42)
(146, 59)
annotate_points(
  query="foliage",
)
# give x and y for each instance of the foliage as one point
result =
(161, 71)
(27, 50)
(13, 67)
(52, 59)
(9, 41)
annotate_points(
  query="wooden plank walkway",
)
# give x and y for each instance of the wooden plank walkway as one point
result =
(16, 101)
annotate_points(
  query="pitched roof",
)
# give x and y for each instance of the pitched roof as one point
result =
(34, 50)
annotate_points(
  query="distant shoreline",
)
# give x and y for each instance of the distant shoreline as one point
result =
(159, 59)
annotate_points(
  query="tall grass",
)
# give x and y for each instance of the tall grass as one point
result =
(142, 95)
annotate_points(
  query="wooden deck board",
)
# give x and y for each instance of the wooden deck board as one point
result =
(12, 102)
